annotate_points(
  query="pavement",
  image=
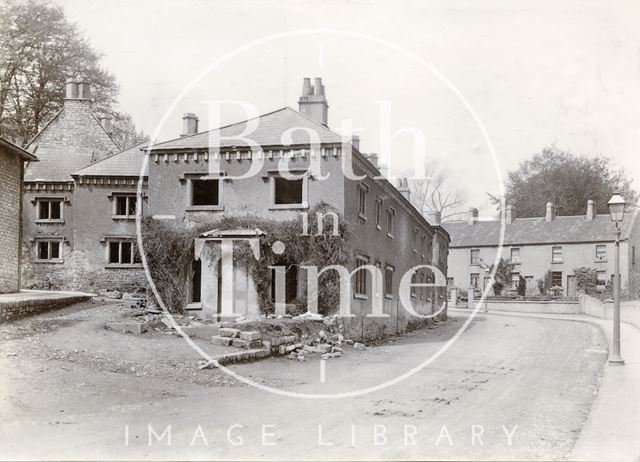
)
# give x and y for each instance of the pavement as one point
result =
(509, 388)
(612, 430)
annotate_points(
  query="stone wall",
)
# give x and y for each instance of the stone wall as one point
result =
(10, 192)
(77, 127)
(17, 309)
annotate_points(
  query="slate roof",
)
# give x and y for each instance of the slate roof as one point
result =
(17, 150)
(56, 162)
(268, 132)
(125, 163)
(522, 231)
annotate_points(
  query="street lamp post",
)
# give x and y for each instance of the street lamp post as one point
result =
(616, 209)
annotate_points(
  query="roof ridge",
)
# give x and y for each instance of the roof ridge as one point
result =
(54, 117)
(266, 114)
(217, 128)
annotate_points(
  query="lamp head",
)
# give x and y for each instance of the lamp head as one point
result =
(617, 205)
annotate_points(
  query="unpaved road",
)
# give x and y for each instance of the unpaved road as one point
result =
(538, 376)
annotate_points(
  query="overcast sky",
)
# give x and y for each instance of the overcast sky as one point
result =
(537, 73)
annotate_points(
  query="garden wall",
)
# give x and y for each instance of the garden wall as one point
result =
(629, 310)
(526, 306)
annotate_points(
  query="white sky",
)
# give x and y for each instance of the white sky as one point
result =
(536, 72)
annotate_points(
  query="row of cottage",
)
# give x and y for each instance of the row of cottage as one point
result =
(80, 200)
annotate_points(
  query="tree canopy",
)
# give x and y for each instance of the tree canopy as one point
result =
(568, 181)
(39, 50)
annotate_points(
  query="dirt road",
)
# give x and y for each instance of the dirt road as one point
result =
(509, 388)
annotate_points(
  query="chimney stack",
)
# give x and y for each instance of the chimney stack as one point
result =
(373, 158)
(403, 187)
(355, 142)
(384, 169)
(189, 124)
(551, 212)
(313, 102)
(434, 218)
(105, 121)
(509, 214)
(591, 205)
(473, 216)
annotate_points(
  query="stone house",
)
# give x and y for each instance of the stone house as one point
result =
(74, 138)
(12, 160)
(195, 180)
(188, 182)
(535, 246)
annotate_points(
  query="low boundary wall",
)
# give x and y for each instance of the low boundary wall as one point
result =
(629, 310)
(27, 303)
(526, 306)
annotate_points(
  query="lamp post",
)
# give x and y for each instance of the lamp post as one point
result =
(616, 209)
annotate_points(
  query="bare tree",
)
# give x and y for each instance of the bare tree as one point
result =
(437, 193)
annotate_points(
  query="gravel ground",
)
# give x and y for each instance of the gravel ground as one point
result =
(72, 390)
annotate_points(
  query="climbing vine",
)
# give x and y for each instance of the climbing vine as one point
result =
(170, 252)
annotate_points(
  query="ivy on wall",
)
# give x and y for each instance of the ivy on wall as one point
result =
(170, 252)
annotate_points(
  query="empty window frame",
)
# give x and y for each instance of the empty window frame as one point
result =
(362, 200)
(474, 256)
(50, 209)
(556, 254)
(49, 250)
(515, 255)
(388, 281)
(124, 205)
(205, 192)
(361, 276)
(123, 252)
(390, 221)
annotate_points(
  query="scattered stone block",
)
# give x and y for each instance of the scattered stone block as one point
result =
(359, 346)
(290, 348)
(323, 348)
(136, 328)
(250, 335)
(204, 331)
(229, 332)
(224, 341)
(239, 343)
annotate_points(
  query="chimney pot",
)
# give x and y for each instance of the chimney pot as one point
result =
(307, 88)
(71, 89)
(473, 216)
(551, 212)
(591, 205)
(189, 124)
(84, 88)
(313, 102)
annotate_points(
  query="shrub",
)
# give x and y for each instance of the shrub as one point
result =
(587, 280)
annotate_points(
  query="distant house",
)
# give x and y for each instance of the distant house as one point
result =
(12, 159)
(555, 244)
